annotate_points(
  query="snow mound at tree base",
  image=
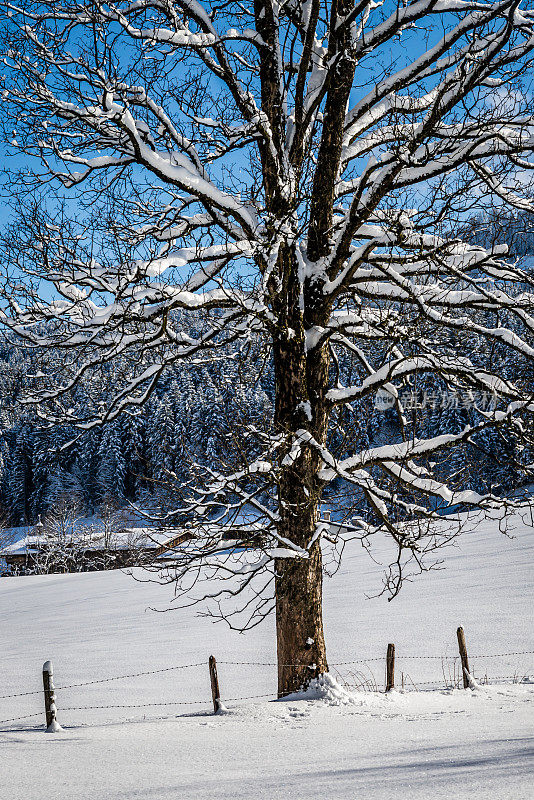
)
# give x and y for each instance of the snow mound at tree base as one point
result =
(327, 689)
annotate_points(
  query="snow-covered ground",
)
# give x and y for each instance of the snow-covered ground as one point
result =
(436, 743)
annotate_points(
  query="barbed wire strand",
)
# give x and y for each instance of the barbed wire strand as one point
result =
(501, 655)
(16, 719)
(106, 680)
(170, 703)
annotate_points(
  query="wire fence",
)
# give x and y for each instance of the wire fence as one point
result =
(361, 678)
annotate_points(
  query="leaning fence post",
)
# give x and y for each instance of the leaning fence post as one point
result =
(463, 656)
(52, 725)
(215, 693)
(390, 668)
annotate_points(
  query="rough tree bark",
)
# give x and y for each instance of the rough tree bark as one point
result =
(300, 391)
(298, 583)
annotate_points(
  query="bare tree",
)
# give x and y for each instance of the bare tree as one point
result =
(111, 522)
(288, 172)
(60, 539)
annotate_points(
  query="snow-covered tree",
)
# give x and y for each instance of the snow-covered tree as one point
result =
(112, 462)
(19, 487)
(293, 173)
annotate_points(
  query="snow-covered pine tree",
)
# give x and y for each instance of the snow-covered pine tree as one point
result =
(86, 468)
(43, 468)
(112, 463)
(291, 172)
(4, 456)
(161, 441)
(19, 488)
(133, 438)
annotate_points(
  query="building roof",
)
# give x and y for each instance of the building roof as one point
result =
(131, 538)
(162, 541)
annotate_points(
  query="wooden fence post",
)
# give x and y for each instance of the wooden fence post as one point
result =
(215, 693)
(52, 725)
(390, 668)
(463, 656)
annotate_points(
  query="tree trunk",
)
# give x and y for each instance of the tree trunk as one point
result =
(299, 621)
(301, 384)
(299, 581)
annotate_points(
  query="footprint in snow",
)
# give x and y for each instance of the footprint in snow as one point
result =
(297, 712)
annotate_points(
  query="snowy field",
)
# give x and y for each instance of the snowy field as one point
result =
(430, 743)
